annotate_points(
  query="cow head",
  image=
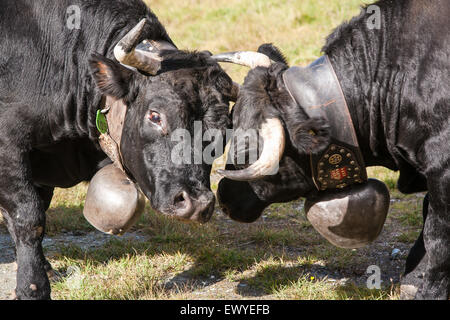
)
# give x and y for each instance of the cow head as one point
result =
(288, 135)
(165, 91)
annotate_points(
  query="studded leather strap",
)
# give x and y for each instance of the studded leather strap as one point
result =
(317, 91)
(110, 141)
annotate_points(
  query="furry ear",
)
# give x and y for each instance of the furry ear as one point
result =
(273, 53)
(111, 78)
(310, 136)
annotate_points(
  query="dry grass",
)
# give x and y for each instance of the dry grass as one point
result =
(298, 27)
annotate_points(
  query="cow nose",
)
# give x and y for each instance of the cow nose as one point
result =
(200, 209)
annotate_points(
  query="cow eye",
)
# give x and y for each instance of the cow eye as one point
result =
(155, 117)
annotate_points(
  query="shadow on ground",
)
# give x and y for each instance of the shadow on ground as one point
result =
(215, 254)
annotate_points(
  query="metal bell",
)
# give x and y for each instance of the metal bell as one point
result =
(113, 202)
(352, 217)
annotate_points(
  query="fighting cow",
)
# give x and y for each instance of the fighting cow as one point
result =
(56, 73)
(396, 84)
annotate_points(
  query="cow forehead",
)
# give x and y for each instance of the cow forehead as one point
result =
(179, 107)
(161, 91)
(182, 93)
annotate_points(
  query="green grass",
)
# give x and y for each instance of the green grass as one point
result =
(272, 258)
(408, 236)
(127, 269)
(387, 176)
(257, 255)
(66, 211)
(306, 289)
(408, 212)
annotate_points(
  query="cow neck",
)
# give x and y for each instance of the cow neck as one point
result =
(318, 92)
(110, 121)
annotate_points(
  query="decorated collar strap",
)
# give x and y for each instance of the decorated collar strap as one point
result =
(110, 120)
(317, 91)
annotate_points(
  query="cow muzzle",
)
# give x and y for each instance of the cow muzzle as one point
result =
(188, 208)
(352, 217)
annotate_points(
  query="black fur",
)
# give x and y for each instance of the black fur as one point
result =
(396, 81)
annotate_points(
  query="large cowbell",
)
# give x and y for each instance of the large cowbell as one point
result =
(113, 202)
(352, 217)
(349, 210)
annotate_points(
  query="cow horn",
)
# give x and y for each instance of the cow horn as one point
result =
(245, 58)
(272, 132)
(146, 57)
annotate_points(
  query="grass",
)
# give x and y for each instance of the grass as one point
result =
(280, 256)
(275, 258)
(408, 212)
(408, 236)
(255, 256)
(306, 289)
(66, 211)
(298, 27)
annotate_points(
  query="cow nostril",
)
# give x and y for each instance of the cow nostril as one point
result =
(180, 198)
(183, 203)
(194, 209)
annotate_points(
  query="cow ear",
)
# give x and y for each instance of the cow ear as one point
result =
(311, 136)
(273, 53)
(111, 78)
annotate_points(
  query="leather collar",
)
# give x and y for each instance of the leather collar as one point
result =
(114, 112)
(318, 92)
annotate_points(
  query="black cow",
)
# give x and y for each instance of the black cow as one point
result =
(396, 81)
(55, 75)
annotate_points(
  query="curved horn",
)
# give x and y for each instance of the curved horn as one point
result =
(245, 58)
(272, 132)
(146, 56)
